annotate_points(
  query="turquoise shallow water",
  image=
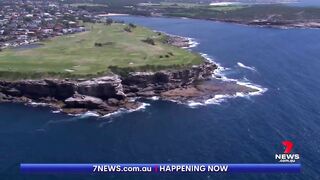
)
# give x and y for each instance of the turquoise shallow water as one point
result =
(239, 130)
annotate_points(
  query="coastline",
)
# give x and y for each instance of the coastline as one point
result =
(257, 23)
(186, 86)
(277, 25)
(263, 24)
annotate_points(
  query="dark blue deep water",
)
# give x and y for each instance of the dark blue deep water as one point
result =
(240, 130)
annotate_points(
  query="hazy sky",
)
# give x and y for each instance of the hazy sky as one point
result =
(302, 2)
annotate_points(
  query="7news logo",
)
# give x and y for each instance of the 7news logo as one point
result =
(287, 156)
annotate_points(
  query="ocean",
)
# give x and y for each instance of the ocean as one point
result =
(233, 130)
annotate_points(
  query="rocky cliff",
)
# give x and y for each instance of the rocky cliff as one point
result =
(104, 94)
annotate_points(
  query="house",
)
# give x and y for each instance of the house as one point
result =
(47, 31)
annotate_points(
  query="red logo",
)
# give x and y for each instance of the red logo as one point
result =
(287, 156)
(288, 146)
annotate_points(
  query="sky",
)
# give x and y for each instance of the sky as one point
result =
(300, 2)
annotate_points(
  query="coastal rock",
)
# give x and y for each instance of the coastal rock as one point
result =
(109, 93)
(138, 79)
(166, 79)
(82, 101)
(3, 97)
(131, 105)
(104, 87)
(178, 41)
(13, 92)
(205, 90)
(58, 89)
(146, 94)
(63, 89)
(182, 93)
(113, 102)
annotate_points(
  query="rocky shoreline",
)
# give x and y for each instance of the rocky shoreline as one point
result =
(108, 94)
(103, 95)
(263, 23)
(273, 24)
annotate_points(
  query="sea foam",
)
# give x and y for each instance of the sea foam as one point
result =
(192, 43)
(219, 98)
(121, 111)
(246, 67)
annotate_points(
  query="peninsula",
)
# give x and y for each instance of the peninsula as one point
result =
(105, 68)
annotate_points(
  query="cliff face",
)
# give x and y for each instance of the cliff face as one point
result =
(150, 84)
(105, 87)
(104, 94)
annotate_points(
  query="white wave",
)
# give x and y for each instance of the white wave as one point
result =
(37, 104)
(192, 43)
(143, 106)
(155, 98)
(132, 99)
(121, 111)
(56, 112)
(194, 104)
(88, 114)
(246, 67)
(245, 79)
(218, 99)
(260, 89)
(174, 101)
(220, 69)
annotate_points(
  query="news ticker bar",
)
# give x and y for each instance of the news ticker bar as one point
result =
(160, 168)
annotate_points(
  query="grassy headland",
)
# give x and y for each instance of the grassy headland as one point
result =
(94, 53)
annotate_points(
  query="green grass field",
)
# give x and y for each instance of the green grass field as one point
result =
(77, 55)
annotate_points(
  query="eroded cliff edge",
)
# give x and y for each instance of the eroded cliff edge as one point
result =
(110, 93)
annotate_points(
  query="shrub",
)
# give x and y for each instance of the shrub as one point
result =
(132, 25)
(98, 44)
(127, 29)
(149, 41)
(109, 21)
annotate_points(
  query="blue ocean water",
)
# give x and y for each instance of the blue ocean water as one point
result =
(240, 130)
